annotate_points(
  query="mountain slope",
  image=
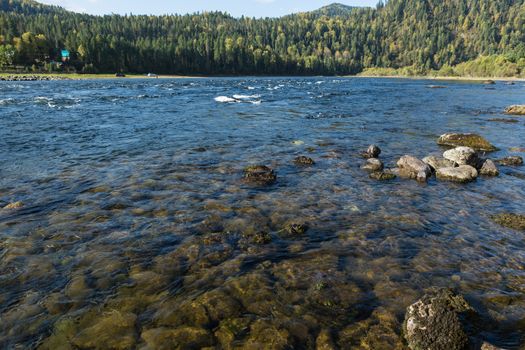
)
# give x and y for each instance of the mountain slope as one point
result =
(334, 10)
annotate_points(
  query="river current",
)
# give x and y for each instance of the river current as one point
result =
(135, 228)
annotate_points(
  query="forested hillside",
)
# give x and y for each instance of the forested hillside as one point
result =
(421, 34)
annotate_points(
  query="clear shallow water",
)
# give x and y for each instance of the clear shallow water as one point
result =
(135, 214)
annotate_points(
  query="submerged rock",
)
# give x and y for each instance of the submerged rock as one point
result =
(180, 338)
(382, 176)
(302, 160)
(436, 322)
(437, 162)
(511, 161)
(474, 141)
(259, 174)
(414, 168)
(373, 165)
(296, 228)
(489, 169)
(509, 220)
(462, 174)
(373, 151)
(15, 205)
(489, 82)
(515, 110)
(462, 156)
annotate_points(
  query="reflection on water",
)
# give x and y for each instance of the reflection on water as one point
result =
(137, 230)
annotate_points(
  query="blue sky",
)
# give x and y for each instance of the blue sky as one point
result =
(255, 8)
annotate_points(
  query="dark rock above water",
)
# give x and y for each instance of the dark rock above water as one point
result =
(437, 322)
(489, 169)
(474, 141)
(373, 151)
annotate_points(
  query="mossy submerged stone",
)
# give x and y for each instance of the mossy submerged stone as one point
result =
(474, 141)
(259, 174)
(382, 176)
(511, 161)
(437, 322)
(509, 220)
(303, 161)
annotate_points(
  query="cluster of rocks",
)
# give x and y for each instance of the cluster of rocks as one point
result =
(375, 166)
(263, 176)
(31, 78)
(461, 164)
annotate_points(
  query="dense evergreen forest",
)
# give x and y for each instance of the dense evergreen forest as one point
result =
(423, 35)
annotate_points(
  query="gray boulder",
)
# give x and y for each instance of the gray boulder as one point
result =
(438, 162)
(373, 165)
(413, 168)
(373, 151)
(436, 322)
(462, 156)
(462, 174)
(489, 168)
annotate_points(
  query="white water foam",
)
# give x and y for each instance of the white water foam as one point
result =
(225, 99)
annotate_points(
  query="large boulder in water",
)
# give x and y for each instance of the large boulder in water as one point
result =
(515, 110)
(437, 322)
(474, 141)
(462, 174)
(413, 168)
(462, 156)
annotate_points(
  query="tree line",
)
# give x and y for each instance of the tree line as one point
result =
(424, 34)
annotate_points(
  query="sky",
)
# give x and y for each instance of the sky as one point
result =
(251, 8)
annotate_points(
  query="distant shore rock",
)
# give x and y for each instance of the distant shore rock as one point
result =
(259, 175)
(473, 141)
(414, 168)
(515, 110)
(461, 174)
(438, 321)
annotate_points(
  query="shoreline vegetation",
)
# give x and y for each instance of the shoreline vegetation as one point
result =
(393, 74)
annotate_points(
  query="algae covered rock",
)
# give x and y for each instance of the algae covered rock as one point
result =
(303, 161)
(437, 322)
(474, 141)
(511, 161)
(382, 176)
(14, 205)
(462, 174)
(515, 110)
(414, 168)
(513, 221)
(179, 338)
(260, 175)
